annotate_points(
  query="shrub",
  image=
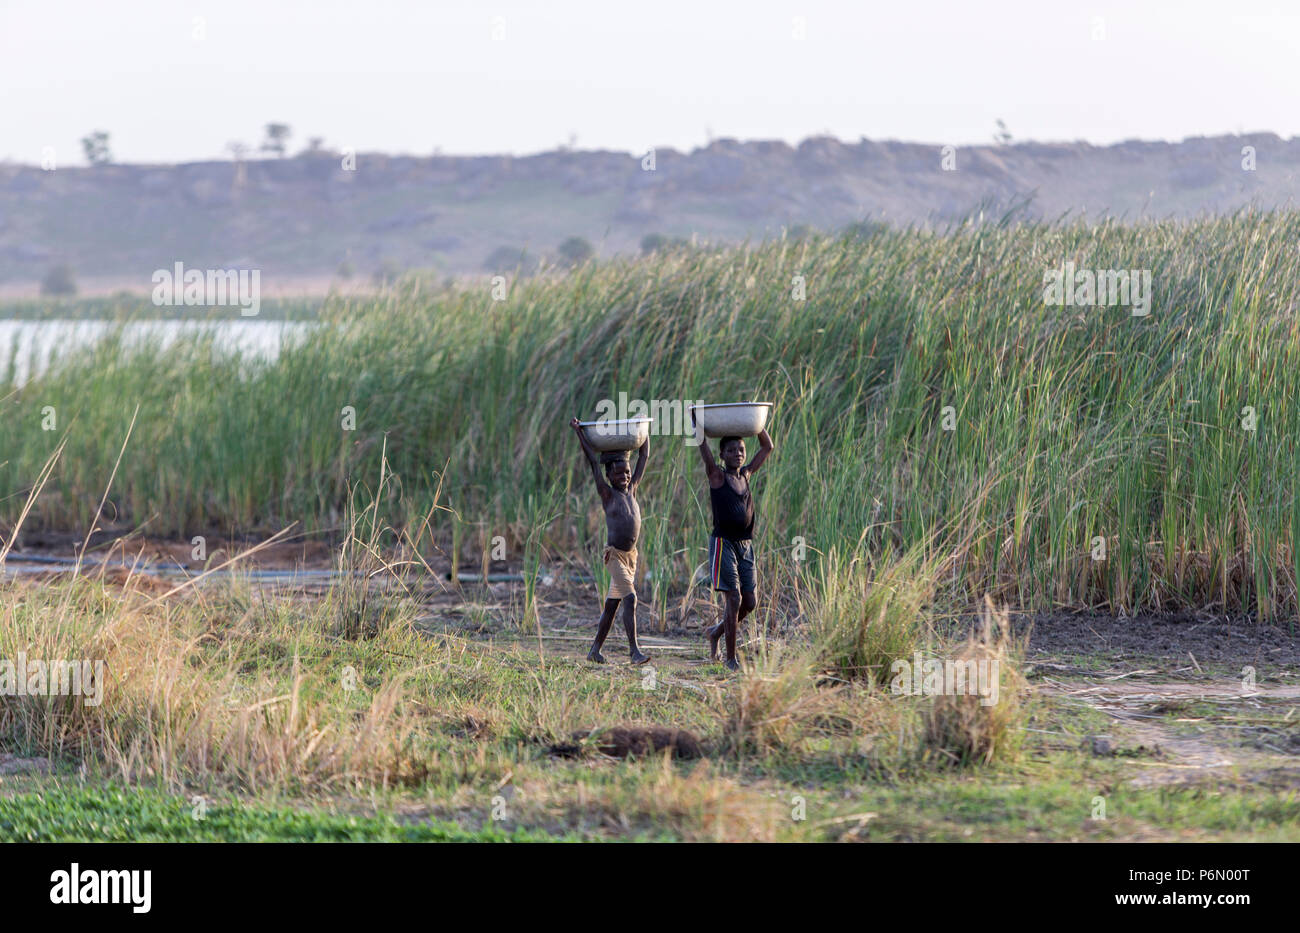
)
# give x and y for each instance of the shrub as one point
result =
(59, 280)
(506, 259)
(575, 251)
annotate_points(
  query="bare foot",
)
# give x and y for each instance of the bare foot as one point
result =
(638, 657)
(595, 657)
(713, 633)
(731, 664)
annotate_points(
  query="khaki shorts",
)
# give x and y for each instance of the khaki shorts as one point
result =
(622, 572)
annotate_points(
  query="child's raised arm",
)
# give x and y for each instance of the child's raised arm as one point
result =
(593, 460)
(710, 466)
(642, 455)
(764, 450)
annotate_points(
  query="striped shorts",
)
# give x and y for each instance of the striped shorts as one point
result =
(731, 564)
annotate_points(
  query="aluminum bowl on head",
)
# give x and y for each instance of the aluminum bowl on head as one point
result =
(733, 419)
(627, 434)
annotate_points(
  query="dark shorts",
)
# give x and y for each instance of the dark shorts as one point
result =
(731, 564)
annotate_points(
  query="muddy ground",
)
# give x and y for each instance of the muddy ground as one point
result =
(115, 546)
(1183, 640)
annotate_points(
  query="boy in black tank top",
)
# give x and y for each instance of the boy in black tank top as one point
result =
(731, 546)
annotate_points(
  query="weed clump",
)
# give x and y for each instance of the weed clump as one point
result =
(861, 623)
(965, 727)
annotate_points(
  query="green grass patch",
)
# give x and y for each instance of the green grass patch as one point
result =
(112, 814)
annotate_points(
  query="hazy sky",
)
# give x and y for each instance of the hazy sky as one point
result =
(176, 80)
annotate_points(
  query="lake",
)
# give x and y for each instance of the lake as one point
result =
(36, 342)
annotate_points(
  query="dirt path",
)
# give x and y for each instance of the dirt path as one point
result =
(1191, 697)
(1185, 732)
(1121, 693)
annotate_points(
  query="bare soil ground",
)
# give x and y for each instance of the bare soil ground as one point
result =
(1189, 698)
(1179, 641)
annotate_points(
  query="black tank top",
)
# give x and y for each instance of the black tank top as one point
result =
(733, 512)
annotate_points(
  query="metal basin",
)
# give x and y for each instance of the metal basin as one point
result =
(627, 434)
(733, 419)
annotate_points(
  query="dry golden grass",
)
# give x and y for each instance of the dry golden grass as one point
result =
(189, 700)
(776, 707)
(962, 728)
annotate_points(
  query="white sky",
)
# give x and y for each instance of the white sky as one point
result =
(176, 80)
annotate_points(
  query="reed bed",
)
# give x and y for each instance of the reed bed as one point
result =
(1096, 459)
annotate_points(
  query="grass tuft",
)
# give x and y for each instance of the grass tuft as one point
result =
(964, 727)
